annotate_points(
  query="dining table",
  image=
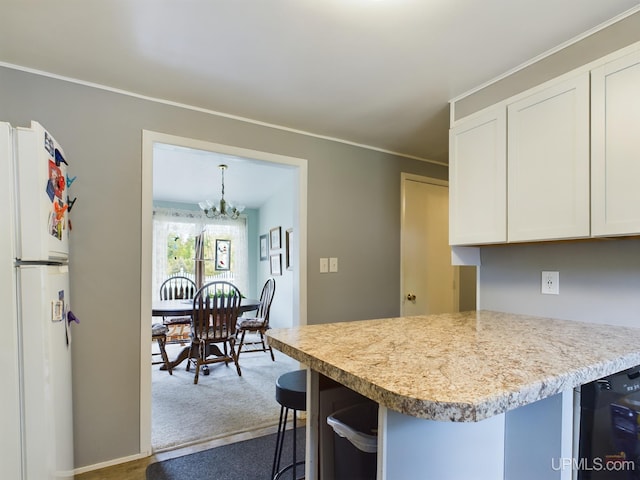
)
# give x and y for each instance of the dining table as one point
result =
(184, 308)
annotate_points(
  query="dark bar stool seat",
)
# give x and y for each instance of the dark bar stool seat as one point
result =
(291, 394)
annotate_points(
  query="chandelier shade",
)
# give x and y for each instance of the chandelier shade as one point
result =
(222, 209)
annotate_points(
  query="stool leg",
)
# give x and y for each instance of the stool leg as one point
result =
(295, 445)
(276, 473)
(282, 426)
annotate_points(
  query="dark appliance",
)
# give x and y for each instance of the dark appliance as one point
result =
(609, 446)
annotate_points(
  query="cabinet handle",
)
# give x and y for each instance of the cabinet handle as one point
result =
(411, 297)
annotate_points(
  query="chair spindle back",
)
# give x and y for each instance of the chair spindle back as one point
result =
(177, 288)
(215, 311)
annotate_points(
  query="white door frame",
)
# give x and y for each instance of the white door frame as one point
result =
(149, 138)
(404, 178)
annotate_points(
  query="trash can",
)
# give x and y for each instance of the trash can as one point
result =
(355, 447)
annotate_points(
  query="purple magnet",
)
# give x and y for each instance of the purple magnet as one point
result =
(71, 317)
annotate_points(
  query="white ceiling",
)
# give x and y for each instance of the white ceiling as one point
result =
(190, 176)
(371, 72)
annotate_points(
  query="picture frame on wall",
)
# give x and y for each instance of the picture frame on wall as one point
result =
(275, 234)
(276, 264)
(223, 255)
(264, 247)
(289, 246)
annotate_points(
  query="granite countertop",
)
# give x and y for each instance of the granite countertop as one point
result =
(460, 367)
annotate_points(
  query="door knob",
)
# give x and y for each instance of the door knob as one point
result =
(411, 297)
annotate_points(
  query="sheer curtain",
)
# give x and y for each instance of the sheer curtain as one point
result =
(188, 225)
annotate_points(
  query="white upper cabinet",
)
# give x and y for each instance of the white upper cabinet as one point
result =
(548, 163)
(615, 137)
(477, 179)
(563, 164)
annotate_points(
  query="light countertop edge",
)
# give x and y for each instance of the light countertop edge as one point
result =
(511, 360)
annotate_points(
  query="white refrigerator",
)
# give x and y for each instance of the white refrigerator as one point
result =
(36, 412)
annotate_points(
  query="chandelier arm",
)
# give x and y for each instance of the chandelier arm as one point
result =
(212, 210)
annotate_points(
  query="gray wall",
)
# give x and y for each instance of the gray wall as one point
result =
(353, 213)
(599, 280)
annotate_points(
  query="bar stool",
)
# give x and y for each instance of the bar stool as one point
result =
(291, 394)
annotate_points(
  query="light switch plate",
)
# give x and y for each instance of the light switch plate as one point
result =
(324, 265)
(333, 264)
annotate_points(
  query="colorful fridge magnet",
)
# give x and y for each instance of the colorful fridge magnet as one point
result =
(59, 158)
(57, 308)
(59, 208)
(56, 219)
(57, 182)
(48, 144)
(51, 191)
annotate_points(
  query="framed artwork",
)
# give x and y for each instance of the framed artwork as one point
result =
(223, 254)
(275, 238)
(289, 246)
(276, 264)
(264, 247)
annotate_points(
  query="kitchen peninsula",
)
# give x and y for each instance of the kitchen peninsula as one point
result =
(482, 395)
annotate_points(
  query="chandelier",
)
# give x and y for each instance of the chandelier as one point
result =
(222, 209)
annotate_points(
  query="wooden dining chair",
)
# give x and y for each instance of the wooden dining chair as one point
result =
(159, 335)
(177, 287)
(257, 324)
(213, 323)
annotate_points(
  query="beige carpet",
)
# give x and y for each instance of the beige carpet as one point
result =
(221, 404)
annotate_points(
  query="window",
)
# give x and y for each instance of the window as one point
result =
(182, 237)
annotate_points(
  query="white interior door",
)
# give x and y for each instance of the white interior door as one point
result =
(428, 280)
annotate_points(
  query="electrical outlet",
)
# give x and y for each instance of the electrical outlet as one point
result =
(550, 283)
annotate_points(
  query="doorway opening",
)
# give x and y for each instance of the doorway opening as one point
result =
(295, 284)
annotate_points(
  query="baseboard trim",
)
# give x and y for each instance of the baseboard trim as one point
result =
(109, 463)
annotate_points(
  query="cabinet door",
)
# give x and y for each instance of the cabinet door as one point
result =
(615, 137)
(477, 179)
(548, 163)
